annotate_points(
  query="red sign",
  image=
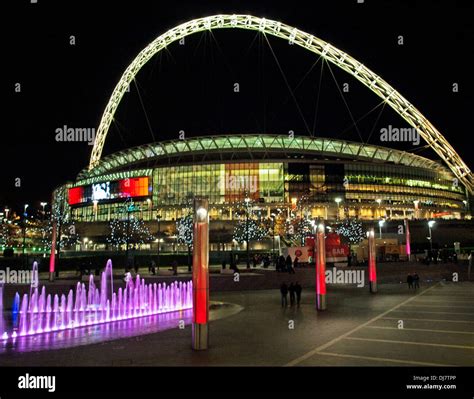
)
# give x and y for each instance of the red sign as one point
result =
(133, 187)
(125, 188)
(334, 247)
(76, 195)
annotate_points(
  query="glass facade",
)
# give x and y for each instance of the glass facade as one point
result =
(314, 185)
(220, 183)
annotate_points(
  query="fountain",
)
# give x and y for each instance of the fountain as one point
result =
(40, 312)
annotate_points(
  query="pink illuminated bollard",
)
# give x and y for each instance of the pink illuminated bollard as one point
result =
(52, 258)
(320, 268)
(407, 239)
(372, 261)
(200, 275)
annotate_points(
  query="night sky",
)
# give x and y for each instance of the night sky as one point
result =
(190, 87)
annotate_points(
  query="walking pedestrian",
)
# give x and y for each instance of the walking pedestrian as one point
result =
(255, 260)
(174, 266)
(291, 289)
(288, 263)
(416, 280)
(298, 290)
(284, 293)
(410, 281)
(281, 263)
(295, 262)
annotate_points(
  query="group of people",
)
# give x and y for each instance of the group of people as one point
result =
(443, 255)
(295, 294)
(287, 265)
(263, 260)
(413, 280)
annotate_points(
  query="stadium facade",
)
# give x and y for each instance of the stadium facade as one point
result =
(318, 177)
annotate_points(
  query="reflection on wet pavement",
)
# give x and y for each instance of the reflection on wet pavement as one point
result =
(113, 330)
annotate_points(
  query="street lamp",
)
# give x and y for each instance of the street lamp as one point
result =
(24, 232)
(43, 204)
(314, 227)
(158, 217)
(338, 201)
(273, 232)
(466, 205)
(381, 223)
(247, 233)
(431, 223)
(416, 205)
(378, 201)
(148, 201)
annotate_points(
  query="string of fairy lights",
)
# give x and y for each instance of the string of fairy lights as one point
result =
(132, 231)
(251, 226)
(68, 235)
(352, 230)
(184, 230)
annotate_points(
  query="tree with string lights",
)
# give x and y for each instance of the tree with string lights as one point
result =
(302, 229)
(251, 230)
(126, 232)
(249, 227)
(184, 228)
(62, 222)
(67, 234)
(5, 237)
(351, 230)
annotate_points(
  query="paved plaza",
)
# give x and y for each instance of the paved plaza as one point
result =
(358, 329)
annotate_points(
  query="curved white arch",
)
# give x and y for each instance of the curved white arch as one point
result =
(339, 58)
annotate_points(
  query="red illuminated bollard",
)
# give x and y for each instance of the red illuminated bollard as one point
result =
(320, 268)
(372, 261)
(201, 275)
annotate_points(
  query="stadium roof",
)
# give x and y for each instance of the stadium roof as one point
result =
(254, 147)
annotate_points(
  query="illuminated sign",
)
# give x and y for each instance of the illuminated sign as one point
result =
(110, 190)
(75, 195)
(100, 191)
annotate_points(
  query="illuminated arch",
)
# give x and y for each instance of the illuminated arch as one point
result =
(339, 58)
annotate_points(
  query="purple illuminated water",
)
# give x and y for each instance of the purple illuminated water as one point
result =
(39, 312)
(97, 333)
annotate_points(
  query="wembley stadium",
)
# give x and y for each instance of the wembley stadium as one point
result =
(276, 184)
(282, 176)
